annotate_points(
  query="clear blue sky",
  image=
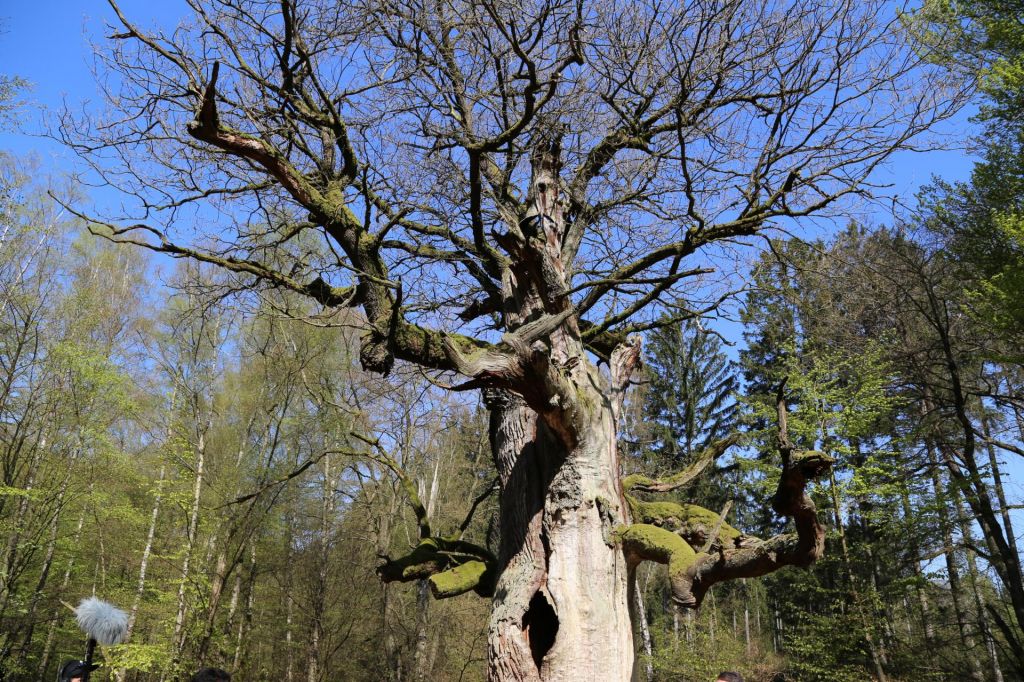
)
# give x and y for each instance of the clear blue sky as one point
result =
(47, 43)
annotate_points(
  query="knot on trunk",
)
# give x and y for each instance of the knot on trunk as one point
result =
(374, 354)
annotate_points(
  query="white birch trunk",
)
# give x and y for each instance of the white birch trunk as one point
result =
(186, 562)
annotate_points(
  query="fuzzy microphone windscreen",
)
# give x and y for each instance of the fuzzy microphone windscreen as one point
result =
(101, 621)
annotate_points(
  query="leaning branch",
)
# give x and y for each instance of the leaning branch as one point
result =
(638, 483)
(317, 288)
(791, 499)
(207, 127)
(281, 480)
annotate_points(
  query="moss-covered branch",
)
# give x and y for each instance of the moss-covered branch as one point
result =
(801, 548)
(667, 532)
(382, 457)
(638, 483)
(690, 522)
(472, 575)
(646, 542)
(453, 567)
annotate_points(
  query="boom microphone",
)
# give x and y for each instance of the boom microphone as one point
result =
(102, 623)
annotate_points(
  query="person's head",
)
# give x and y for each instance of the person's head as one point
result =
(74, 671)
(727, 676)
(211, 675)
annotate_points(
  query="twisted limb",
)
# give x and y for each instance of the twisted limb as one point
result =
(666, 532)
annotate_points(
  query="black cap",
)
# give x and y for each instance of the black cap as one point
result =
(73, 669)
(211, 675)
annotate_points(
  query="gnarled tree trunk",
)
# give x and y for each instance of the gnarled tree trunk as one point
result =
(561, 609)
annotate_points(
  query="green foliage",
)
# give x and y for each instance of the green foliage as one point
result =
(706, 644)
(826, 647)
(998, 297)
(690, 400)
(979, 222)
(144, 658)
(983, 37)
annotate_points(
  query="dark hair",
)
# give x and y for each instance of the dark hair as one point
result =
(215, 675)
(727, 676)
(73, 669)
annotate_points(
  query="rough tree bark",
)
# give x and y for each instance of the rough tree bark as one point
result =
(561, 606)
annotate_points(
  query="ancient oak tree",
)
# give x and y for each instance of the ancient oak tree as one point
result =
(511, 192)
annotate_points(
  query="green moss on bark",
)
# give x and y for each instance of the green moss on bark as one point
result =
(690, 520)
(458, 580)
(646, 542)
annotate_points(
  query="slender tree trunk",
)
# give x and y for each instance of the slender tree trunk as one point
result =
(777, 634)
(964, 471)
(144, 564)
(289, 596)
(675, 622)
(58, 508)
(421, 650)
(972, 577)
(952, 570)
(245, 623)
(236, 592)
(178, 639)
(9, 559)
(713, 621)
(645, 631)
(854, 590)
(289, 616)
(318, 608)
(746, 628)
(44, 575)
(218, 580)
(928, 628)
(391, 656)
(757, 620)
(133, 613)
(65, 581)
(421, 666)
(997, 484)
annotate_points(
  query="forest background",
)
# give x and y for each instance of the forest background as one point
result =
(230, 477)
